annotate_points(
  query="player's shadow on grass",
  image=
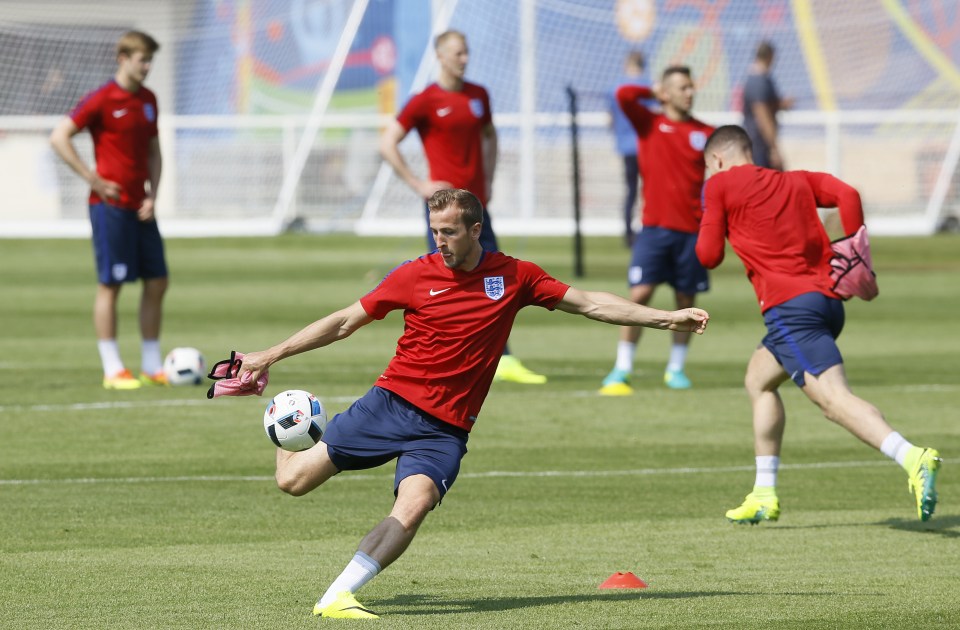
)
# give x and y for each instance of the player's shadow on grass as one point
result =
(946, 526)
(418, 604)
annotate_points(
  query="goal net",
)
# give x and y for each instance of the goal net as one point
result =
(875, 84)
(270, 110)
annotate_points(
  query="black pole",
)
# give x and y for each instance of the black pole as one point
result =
(575, 157)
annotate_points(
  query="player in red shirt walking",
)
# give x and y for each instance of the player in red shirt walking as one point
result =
(772, 223)
(459, 304)
(122, 119)
(455, 123)
(671, 165)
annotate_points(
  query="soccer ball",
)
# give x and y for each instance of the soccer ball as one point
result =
(184, 366)
(294, 420)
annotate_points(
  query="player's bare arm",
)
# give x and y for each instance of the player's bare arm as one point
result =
(613, 309)
(323, 332)
(390, 141)
(147, 210)
(62, 143)
(490, 149)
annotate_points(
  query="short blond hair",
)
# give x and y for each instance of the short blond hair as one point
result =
(444, 36)
(136, 41)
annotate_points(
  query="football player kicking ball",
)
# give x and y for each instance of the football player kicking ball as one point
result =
(772, 223)
(459, 304)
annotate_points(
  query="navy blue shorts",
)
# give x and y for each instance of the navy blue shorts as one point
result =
(126, 248)
(381, 426)
(488, 240)
(661, 255)
(802, 333)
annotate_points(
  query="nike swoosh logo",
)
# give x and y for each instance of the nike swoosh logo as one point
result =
(665, 128)
(443, 111)
(432, 292)
(119, 113)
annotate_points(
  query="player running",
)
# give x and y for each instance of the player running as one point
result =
(772, 223)
(459, 304)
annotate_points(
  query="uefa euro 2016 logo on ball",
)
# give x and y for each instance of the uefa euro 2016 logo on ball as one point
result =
(294, 420)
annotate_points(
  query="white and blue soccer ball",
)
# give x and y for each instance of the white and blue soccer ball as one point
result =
(184, 366)
(294, 420)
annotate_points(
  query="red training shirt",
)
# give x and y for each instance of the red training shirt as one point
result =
(122, 125)
(772, 222)
(450, 126)
(456, 324)
(672, 163)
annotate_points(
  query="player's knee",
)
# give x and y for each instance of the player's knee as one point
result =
(156, 287)
(830, 407)
(412, 514)
(755, 385)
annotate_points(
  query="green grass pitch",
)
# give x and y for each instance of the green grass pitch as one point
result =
(156, 508)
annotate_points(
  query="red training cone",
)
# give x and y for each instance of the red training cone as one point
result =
(623, 580)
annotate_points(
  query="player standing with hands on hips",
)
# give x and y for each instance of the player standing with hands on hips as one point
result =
(122, 118)
(459, 304)
(671, 164)
(455, 123)
(771, 220)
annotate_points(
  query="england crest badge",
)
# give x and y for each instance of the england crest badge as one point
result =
(698, 140)
(476, 107)
(493, 287)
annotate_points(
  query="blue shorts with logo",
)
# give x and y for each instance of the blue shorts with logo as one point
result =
(802, 334)
(488, 240)
(661, 255)
(126, 248)
(382, 426)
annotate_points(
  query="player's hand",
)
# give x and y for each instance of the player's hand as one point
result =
(657, 90)
(427, 187)
(690, 320)
(256, 363)
(106, 189)
(146, 211)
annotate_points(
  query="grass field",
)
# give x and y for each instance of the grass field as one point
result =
(156, 508)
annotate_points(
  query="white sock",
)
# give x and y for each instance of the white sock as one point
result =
(896, 447)
(361, 570)
(625, 352)
(767, 466)
(678, 357)
(109, 356)
(150, 360)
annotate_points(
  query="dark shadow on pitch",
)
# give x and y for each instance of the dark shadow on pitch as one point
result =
(419, 604)
(946, 526)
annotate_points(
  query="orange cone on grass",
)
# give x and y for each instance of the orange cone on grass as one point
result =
(622, 579)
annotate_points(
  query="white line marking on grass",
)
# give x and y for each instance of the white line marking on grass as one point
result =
(136, 404)
(639, 472)
(929, 387)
